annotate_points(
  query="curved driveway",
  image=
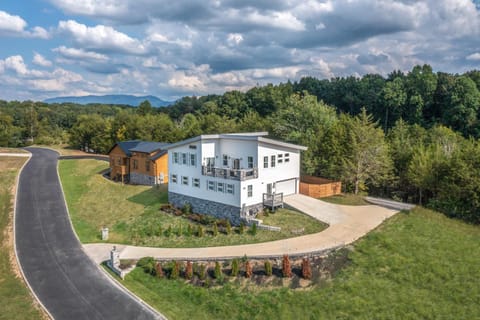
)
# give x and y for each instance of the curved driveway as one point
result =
(64, 279)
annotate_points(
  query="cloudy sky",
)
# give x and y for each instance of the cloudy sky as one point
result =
(175, 48)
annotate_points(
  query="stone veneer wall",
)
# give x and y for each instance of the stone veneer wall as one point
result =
(138, 178)
(216, 209)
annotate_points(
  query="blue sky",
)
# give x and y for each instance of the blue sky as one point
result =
(171, 48)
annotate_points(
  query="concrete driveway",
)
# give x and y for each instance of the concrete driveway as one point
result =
(347, 224)
(67, 283)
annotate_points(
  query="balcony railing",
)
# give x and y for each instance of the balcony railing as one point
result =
(228, 173)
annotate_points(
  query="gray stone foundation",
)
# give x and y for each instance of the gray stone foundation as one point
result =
(138, 178)
(216, 209)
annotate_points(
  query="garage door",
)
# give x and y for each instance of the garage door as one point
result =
(287, 187)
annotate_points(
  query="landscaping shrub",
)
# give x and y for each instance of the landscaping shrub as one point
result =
(306, 269)
(199, 231)
(218, 271)
(268, 268)
(159, 270)
(147, 264)
(202, 272)
(189, 270)
(286, 267)
(175, 270)
(253, 229)
(234, 267)
(215, 229)
(248, 270)
(228, 227)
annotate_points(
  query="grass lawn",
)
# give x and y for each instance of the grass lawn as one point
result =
(417, 265)
(347, 199)
(133, 216)
(15, 299)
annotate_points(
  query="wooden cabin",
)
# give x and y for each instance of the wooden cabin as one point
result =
(139, 162)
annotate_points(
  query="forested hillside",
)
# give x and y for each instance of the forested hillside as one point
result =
(410, 136)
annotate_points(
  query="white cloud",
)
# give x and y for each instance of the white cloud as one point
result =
(11, 25)
(40, 60)
(474, 56)
(79, 54)
(101, 37)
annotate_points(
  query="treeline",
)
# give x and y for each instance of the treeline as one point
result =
(413, 136)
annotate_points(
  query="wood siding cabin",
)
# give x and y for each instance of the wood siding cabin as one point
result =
(139, 162)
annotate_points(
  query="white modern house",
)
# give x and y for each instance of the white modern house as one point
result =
(232, 176)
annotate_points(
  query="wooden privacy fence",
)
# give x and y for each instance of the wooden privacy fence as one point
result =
(317, 187)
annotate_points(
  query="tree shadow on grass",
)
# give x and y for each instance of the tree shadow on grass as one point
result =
(151, 196)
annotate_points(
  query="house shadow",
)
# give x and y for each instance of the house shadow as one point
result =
(149, 197)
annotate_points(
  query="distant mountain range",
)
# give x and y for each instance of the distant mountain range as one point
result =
(112, 99)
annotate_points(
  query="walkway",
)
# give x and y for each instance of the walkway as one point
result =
(347, 224)
(65, 280)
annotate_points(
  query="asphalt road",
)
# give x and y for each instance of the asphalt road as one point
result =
(65, 280)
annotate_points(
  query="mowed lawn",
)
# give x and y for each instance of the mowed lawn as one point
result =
(417, 265)
(133, 217)
(15, 299)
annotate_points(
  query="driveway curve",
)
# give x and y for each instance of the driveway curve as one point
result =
(346, 224)
(64, 279)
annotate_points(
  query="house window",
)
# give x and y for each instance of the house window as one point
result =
(175, 157)
(272, 162)
(250, 162)
(280, 158)
(225, 160)
(193, 159)
(265, 162)
(147, 165)
(196, 182)
(230, 188)
(184, 158)
(211, 185)
(185, 181)
(220, 187)
(287, 157)
(249, 191)
(135, 164)
(174, 178)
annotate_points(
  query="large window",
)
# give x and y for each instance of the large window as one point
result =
(250, 162)
(230, 188)
(185, 181)
(249, 191)
(175, 157)
(265, 162)
(184, 158)
(174, 178)
(193, 159)
(272, 161)
(196, 182)
(147, 165)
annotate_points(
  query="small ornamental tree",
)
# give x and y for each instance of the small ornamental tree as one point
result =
(253, 229)
(159, 270)
(218, 270)
(215, 229)
(286, 268)
(268, 268)
(306, 269)
(228, 227)
(248, 270)
(189, 270)
(199, 231)
(175, 270)
(234, 267)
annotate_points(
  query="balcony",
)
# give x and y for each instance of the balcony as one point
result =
(228, 173)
